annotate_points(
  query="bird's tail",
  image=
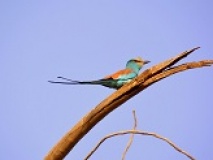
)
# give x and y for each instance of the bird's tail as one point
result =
(74, 82)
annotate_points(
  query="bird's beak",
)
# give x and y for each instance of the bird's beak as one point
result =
(145, 62)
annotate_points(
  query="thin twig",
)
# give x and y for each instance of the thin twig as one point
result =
(131, 136)
(141, 133)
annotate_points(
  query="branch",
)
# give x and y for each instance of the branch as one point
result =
(131, 136)
(141, 133)
(147, 78)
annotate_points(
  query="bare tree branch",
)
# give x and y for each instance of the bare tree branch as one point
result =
(147, 78)
(140, 133)
(131, 136)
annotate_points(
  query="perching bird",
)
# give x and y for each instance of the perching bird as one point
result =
(116, 80)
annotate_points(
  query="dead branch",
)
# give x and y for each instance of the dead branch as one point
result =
(131, 136)
(140, 133)
(147, 78)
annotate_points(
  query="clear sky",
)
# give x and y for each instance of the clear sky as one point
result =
(86, 40)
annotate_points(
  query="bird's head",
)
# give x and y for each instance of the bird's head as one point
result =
(136, 63)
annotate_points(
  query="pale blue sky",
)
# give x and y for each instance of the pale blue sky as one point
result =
(87, 40)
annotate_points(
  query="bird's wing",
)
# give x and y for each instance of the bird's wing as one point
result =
(119, 74)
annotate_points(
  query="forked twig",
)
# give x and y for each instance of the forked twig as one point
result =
(131, 136)
(141, 133)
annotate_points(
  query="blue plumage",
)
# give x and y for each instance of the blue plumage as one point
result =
(116, 80)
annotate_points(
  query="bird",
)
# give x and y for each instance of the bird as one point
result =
(115, 80)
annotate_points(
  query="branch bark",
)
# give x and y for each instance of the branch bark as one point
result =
(144, 80)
